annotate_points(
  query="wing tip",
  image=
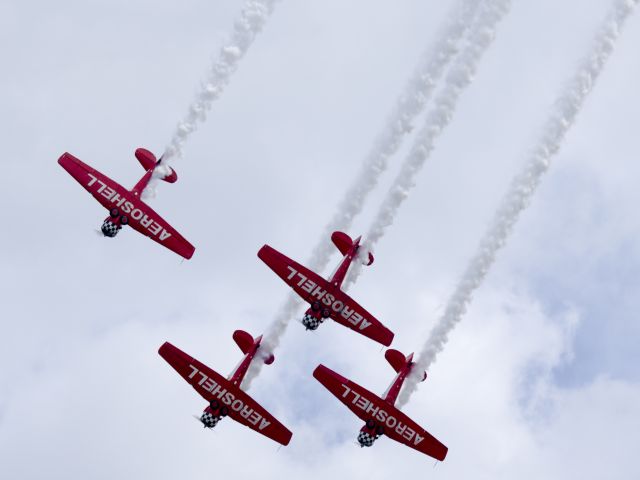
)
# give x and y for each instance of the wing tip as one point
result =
(287, 438)
(165, 348)
(263, 251)
(65, 158)
(386, 338)
(189, 253)
(441, 455)
(321, 373)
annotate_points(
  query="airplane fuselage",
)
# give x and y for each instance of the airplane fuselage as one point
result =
(218, 409)
(123, 207)
(321, 309)
(380, 420)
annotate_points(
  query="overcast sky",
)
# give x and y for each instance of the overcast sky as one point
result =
(540, 379)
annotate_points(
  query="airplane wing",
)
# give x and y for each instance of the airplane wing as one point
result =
(152, 225)
(213, 386)
(312, 287)
(368, 406)
(111, 194)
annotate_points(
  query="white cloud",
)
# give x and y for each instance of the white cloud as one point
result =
(491, 398)
(83, 392)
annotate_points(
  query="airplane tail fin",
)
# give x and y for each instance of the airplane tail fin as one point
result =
(343, 242)
(398, 361)
(245, 341)
(148, 161)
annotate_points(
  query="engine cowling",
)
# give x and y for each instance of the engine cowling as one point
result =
(310, 321)
(209, 420)
(365, 439)
(109, 228)
(369, 433)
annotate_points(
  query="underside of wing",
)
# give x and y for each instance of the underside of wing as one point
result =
(368, 406)
(344, 390)
(140, 216)
(313, 288)
(309, 285)
(97, 184)
(346, 311)
(213, 386)
(146, 221)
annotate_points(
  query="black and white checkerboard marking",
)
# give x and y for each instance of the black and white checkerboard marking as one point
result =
(310, 322)
(110, 229)
(366, 439)
(209, 420)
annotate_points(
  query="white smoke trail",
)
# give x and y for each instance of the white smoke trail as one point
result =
(409, 105)
(523, 187)
(252, 19)
(459, 77)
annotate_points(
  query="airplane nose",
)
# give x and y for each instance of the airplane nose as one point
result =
(109, 229)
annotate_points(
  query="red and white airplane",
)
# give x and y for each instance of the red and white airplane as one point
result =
(224, 394)
(379, 414)
(326, 298)
(125, 206)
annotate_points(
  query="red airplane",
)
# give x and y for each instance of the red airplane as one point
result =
(379, 414)
(224, 395)
(324, 296)
(125, 206)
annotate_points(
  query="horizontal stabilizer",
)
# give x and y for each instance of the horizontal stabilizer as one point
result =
(369, 260)
(396, 359)
(244, 340)
(146, 158)
(148, 161)
(342, 241)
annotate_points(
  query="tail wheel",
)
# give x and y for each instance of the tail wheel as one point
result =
(224, 411)
(370, 424)
(326, 313)
(124, 220)
(113, 213)
(214, 404)
(379, 430)
(315, 306)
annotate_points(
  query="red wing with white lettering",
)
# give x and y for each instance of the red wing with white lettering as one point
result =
(368, 406)
(213, 386)
(91, 179)
(313, 288)
(157, 229)
(366, 325)
(140, 216)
